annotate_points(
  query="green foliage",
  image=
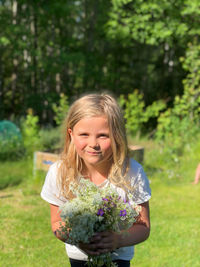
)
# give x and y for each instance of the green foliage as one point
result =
(135, 112)
(61, 109)
(30, 133)
(191, 63)
(50, 139)
(46, 48)
(11, 149)
(11, 145)
(154, 21)
(179, 124)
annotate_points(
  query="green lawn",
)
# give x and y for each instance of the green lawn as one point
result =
(175, 231)
(26, 238)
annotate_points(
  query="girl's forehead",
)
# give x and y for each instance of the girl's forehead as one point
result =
(93, 122)
(94, 119)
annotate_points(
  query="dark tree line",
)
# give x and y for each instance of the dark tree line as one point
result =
(72, 47)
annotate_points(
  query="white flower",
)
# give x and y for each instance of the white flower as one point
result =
(95, 210)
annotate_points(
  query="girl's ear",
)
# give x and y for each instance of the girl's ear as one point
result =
(70, 133)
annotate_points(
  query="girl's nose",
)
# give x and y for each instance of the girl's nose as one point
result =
(93, 143)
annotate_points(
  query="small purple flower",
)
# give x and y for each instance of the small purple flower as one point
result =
(100, 212)
(122, 213)
(105, 199)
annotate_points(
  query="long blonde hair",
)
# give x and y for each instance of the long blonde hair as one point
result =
(93, 105)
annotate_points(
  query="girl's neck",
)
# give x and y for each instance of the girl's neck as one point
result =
(96, 174)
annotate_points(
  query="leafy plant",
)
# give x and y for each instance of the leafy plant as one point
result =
(50, 139)
(30, 133)
(61, 109)
(11, 145)
(135, 112)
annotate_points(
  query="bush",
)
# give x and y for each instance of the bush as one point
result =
(136, 114)
(11, 145)
(50, 139)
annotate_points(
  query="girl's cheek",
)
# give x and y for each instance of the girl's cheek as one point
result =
(80, 144)
(107, 144)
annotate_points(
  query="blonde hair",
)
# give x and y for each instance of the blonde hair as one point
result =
(93, 105)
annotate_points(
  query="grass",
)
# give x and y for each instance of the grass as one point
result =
(26, 238)
(175, 231)
(14, 172)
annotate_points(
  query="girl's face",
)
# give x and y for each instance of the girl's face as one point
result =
(91, 137)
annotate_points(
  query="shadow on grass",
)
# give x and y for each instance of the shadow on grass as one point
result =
(9, 180)
(7, 196)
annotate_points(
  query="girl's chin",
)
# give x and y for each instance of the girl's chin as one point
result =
(93, 160)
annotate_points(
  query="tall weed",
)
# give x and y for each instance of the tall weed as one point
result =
(30, 133)
(61, 109)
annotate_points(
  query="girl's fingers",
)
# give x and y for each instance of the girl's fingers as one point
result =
(103, 251)
(89, 249)
(108, 241)
(103, 242)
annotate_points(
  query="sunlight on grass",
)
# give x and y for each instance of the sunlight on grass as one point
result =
(174, 228)
(26, 238)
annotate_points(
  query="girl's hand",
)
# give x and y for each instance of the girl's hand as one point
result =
(89, 249)
(103, 242)
(106, 241)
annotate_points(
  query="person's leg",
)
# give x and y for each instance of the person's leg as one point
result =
(77, 263)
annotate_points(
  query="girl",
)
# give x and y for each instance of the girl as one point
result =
(96, 149)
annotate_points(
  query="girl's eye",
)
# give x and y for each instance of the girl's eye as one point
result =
(104, 136)
(83, 134)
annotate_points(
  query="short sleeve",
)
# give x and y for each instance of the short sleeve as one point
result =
(50, 190)
(141, 191)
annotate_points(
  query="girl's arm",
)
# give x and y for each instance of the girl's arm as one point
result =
(108, 241)
(56, 222)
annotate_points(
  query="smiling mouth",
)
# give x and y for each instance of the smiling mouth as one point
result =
(93, 153)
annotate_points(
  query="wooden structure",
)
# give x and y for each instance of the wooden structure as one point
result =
(137, 153)
(43, 160)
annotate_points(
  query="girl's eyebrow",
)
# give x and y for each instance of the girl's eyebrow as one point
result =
(104, 132)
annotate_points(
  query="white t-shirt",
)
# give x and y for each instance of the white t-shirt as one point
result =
(141, 194)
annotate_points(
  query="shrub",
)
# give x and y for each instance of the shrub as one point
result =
(136, 114)
(30, 133)
(61, 109)
(50, 139)
(11, 145)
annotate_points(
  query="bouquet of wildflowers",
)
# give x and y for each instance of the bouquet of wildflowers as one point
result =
(95, 210)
